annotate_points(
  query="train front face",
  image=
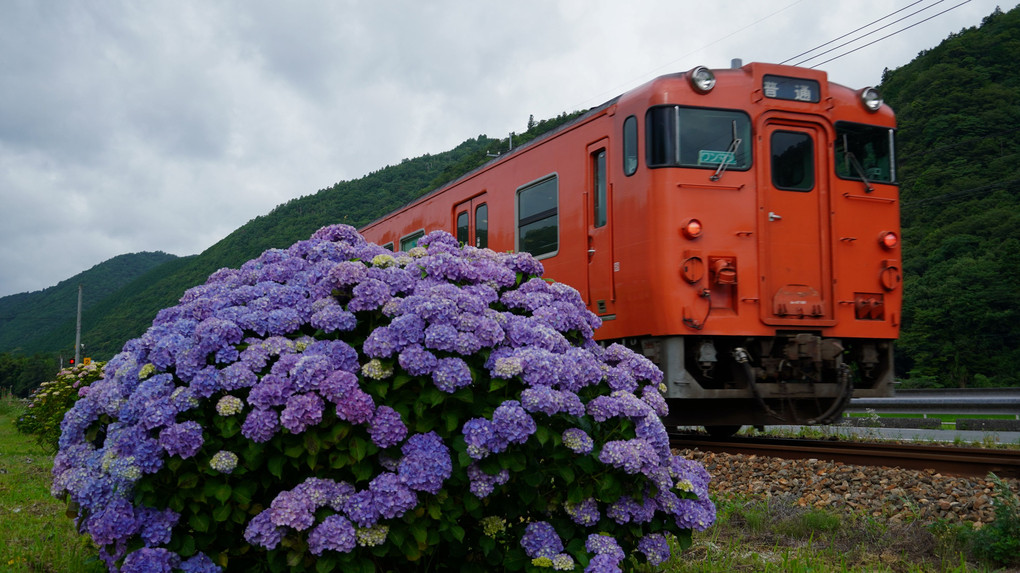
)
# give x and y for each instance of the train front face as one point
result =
(773, 198)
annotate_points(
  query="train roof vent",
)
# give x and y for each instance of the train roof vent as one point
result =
(736, 64)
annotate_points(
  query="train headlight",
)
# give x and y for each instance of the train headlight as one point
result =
(888, 240)
(691, 228)
(871, 99)
(702, 79)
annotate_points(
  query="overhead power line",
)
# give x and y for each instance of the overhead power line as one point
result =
(883, 37)
(852, 32)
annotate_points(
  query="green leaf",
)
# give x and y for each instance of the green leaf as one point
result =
(199, 522)
(222, 493)
(294, 450)
(358, 448)
(222, 513)
(275, 466)
(312, 442)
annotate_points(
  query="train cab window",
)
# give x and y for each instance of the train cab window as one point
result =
(538, 218)
(601, 209)
(408, 242)
(463, 228)
(793, 161)
(865, 152)
(482, 226)
(630, 152)
(697, 137)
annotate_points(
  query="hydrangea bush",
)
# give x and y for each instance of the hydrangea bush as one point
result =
(338, 407)
(51, 400)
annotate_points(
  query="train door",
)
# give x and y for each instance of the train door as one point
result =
(471, 220)
(601, 290)
(794, 216)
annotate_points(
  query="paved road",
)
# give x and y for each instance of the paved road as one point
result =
(951, 436)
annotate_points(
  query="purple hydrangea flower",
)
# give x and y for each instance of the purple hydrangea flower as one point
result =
(387, 428)
(200, 563)
(335, 533)
(260, 425)
(302, 410)
(390, 496)
(182, 439)
(426, 463)
(655, 547)
(483, 484)
(451, 374)
(577, 440)
(541, 540)
(261, 531)
(150, 560)
(512, 423)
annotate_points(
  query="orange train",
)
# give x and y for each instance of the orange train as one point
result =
(740, 227)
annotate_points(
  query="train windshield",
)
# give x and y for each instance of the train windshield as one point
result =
(698, 137)
(865, 153)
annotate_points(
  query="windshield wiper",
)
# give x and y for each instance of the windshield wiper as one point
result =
(852, 160)
(731, 152)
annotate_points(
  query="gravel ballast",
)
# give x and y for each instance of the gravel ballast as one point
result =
(899, 494)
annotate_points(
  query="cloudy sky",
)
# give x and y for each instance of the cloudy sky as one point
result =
(164, 125)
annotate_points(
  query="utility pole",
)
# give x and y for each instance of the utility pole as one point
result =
(77, 332)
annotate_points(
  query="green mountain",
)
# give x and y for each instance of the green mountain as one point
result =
(959, 161)
(44, 321)
(958, 141)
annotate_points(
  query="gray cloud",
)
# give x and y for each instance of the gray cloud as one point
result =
(162, 125)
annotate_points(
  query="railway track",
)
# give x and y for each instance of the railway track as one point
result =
(949, 460)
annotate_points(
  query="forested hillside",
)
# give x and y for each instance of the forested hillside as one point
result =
(119, 315)
(959, 159)
(959, 165)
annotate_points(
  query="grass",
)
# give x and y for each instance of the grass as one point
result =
(37, 536)
(775, 534)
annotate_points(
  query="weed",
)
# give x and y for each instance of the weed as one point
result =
(999, 541)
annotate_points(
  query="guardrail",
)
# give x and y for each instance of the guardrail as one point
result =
(959, 402)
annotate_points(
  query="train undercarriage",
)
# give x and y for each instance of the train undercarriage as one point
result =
(793, 378)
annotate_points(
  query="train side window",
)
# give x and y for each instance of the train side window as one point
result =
(865, 151)
(408, 242)
(388, 246)
(630, 152)
(793, 161)
(599, 188)
(538, 218)
(463, 227)
(482, 226)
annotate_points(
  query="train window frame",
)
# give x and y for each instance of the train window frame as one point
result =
(841, 164)
(811, 154)
(630, 146)
(599, 191)
(463, 230)
(529, 217)
(411, 239)
(482, 230)
(388, 246)
(679, 156)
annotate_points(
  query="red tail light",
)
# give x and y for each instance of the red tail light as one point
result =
(889, 240)
(691, 228)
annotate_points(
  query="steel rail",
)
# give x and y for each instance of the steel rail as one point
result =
(951, 460)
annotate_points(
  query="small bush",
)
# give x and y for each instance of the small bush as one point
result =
(51, 400)
(999, 541)
(338, 407)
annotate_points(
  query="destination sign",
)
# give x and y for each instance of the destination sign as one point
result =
(708, 157)
(794, 89)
